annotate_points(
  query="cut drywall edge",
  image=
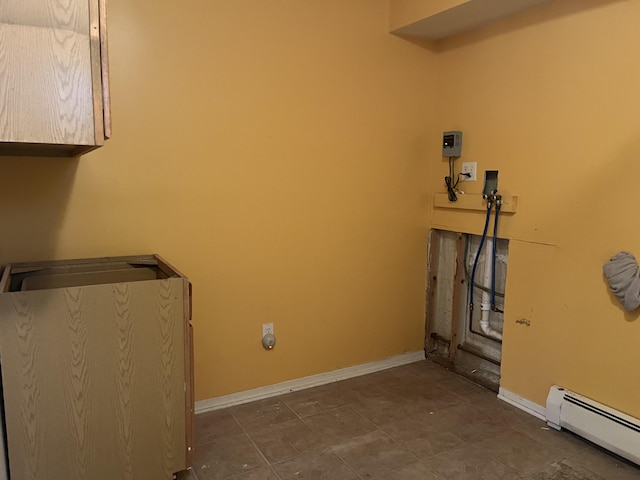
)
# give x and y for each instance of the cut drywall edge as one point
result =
(247, 396)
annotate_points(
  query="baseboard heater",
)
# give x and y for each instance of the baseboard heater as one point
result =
(604, 426)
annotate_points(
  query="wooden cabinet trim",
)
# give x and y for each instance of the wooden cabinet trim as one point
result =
(104, 57)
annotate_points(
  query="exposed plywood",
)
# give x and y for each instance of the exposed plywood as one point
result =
(114, 405)
(442, 274)
(432, 290)
(456, 308)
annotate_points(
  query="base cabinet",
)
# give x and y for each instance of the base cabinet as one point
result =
(96, 369)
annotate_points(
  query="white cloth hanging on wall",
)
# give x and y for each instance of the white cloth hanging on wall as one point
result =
(623, 274)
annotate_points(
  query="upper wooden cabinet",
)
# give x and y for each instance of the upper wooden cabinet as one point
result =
(54, 90)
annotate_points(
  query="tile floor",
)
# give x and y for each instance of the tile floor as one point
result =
(417, 421)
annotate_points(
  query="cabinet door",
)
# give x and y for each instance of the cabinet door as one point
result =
(49, 61)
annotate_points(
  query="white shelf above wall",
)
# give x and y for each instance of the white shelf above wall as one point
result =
(457, 16)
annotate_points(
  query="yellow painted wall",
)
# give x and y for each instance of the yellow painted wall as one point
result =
(278, 153)
(550, 98)
(275, 152)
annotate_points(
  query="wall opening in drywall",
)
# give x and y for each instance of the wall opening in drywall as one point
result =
(458, 336)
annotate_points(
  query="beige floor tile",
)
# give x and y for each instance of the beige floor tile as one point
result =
(562, 471)
(467, 390)
(314, 400)
(215, 425)
(470, 462)
(264, 473)
(286, 440)
(263, 413)
(501, 411)
(423, 436)
(605, 465)
(411, 471)
(564, 442)
(315, 466)
(224, 458)
(373, 453)
(520, 452)
(339, 425)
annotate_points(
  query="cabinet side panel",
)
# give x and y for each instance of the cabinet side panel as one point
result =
(45, 86)
(94, 381)
(160, 395)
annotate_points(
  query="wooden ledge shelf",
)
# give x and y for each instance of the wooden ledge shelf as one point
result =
(474, 202)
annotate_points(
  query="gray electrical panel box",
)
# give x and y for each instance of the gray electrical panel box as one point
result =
(452, 144)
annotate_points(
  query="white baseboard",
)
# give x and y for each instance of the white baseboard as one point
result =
(523, 404)
(306, 382)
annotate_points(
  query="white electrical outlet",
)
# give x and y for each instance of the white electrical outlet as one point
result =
(267, 329)
(470, 168)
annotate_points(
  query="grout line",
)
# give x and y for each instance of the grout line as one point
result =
(347, 465)
(331, 447)
(254, 446)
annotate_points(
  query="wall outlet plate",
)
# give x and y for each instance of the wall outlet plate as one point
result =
(267, 329)
(471, 168)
